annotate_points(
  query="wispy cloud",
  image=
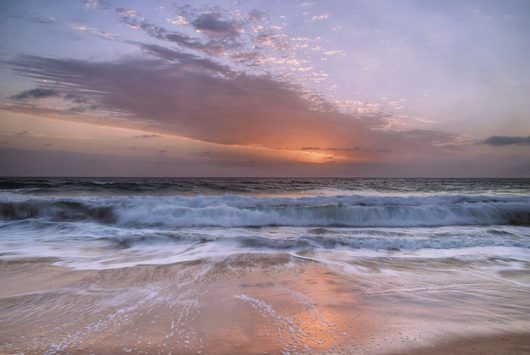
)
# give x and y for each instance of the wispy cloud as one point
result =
(94, 4)
(148, 136)
(319, 17)
(38, 93)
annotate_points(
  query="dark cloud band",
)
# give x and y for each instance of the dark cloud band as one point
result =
(506, 140)
(38, 93)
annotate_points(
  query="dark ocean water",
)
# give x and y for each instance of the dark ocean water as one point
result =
(168, 186)
(116, 222)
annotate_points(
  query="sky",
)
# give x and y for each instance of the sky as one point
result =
(394, 88)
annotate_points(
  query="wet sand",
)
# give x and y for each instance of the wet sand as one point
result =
(254, 303)
(506, 344)
(231, 307)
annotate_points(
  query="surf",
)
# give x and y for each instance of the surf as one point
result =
(246, 211)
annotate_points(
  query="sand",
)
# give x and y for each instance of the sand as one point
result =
(247, 304)
(505, 344)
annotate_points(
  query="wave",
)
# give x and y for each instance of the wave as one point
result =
(243, 211)
(62, 210)
(99, 246)
(309, 242)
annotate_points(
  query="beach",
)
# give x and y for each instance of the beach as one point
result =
(82, 275)
(251, 304)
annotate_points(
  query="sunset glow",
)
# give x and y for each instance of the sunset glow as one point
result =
(252, 88)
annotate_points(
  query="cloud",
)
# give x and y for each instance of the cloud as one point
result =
(38, 93)
(75, 98)
(66, 100)
(214, 25)
(506, 140)
(257, 16)
(429, 136)
(148, 136)
(249, 39)
(194, 103)
(177, 96)
(28, 16)
(131, 18)
(44, 21)
(319, 17)
(97, 32)
(185, 59)
(93, 4)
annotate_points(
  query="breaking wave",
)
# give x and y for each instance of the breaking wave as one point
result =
(244, 211)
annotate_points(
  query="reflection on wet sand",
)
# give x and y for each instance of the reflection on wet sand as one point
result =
(230, 307)
(254, 303)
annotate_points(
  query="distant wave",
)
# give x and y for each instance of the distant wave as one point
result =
(242, 211)
(146, 186)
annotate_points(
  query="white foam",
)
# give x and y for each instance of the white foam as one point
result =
(245, 211)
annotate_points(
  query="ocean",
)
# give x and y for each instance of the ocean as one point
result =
(456, 249)
(107, 223)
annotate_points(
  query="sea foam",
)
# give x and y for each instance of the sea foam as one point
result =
(246, 211)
